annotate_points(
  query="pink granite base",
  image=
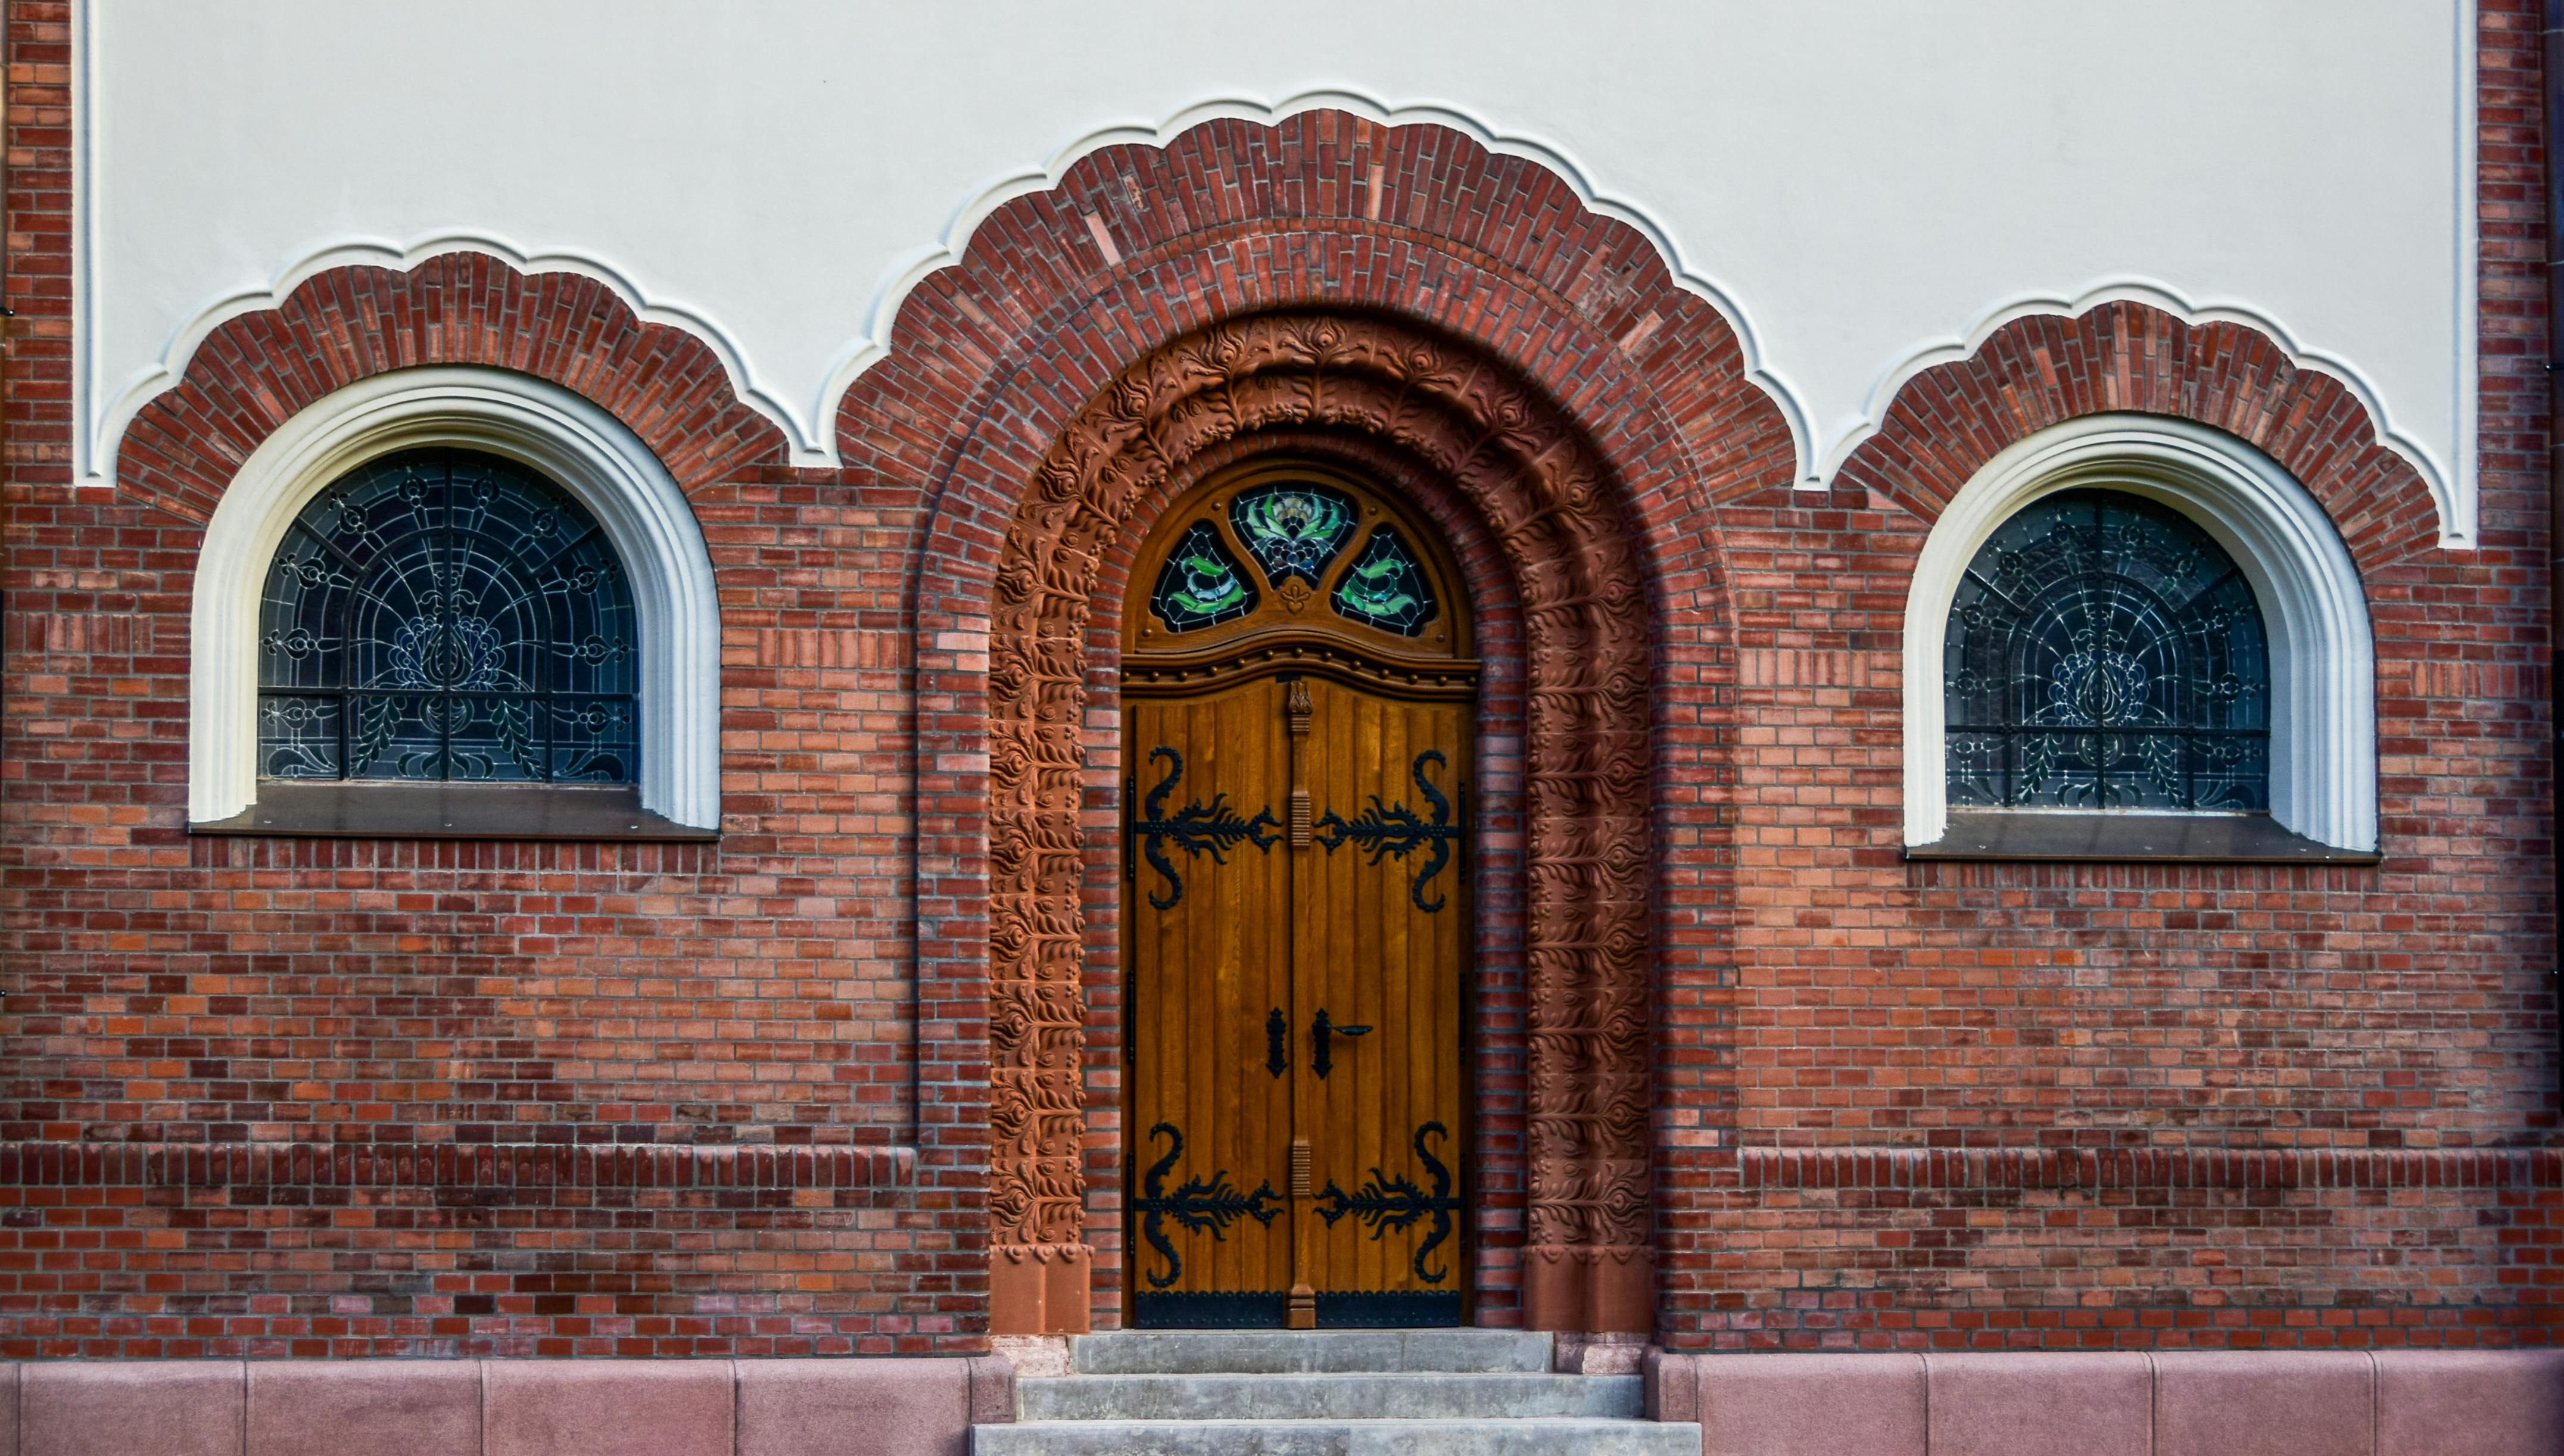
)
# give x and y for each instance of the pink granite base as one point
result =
(2470, 1402)
(157, 1407)
(2039, 1406)
(2201, 1404)
(719, 1407)
(381, 1407)
(2223, 1403)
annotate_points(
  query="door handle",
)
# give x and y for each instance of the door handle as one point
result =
(1277, 1043)
(1323, 1060)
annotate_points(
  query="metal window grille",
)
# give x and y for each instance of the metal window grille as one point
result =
(445, 614)
(2105, 653)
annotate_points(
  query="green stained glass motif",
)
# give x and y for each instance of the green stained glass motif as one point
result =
(1385, 588)
(1202, 584)
(1293, 530)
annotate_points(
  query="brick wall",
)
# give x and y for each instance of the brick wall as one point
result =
(277, 1097)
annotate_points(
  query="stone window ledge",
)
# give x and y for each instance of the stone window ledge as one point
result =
(2215, 839)
(451, 811)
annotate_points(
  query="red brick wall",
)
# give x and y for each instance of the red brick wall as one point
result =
(373, 1098)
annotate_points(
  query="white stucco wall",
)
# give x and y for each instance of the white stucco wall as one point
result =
(1864, 186)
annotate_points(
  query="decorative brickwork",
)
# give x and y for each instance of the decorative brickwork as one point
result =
(290, 1097)
(2148, 1106)
(1232, 223)
(2037, 371)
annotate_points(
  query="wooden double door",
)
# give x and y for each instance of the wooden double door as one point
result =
(1297, 927)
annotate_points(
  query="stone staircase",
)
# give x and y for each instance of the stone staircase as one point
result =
(1328, 1392)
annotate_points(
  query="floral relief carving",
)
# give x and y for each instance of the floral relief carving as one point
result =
(1547, 500)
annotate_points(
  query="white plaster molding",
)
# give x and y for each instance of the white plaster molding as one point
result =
(2453, 491)
(569, 439)
(811, 431)
(2323, 708)
(798, 377)
(99, 464)
(100, 420)
(873, 344)
(2458, 515)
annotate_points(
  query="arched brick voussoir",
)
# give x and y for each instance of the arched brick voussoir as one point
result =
(1574, 374)
(1518, 336)
(1056, 293)
(254, 372)
(2035, 372)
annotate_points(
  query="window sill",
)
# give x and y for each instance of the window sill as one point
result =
(2211, 839)
(452, 811)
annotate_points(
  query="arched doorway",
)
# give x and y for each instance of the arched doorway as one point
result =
(1549, 503)
(1299, 699)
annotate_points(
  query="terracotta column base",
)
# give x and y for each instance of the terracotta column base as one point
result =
(1590, 1291)
(1038, 1288)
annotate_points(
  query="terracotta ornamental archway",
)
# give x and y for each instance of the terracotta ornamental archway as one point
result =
(1553, 509)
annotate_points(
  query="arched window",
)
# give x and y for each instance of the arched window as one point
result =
(453, 602)
(448, 615)
(2105, 653)
(2133, 637)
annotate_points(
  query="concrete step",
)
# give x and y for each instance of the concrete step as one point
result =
(1308, 1352)
(1336, 1438)
(1341, 1397)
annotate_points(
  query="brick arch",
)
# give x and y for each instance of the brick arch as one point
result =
(254, 372)
(1056, 291)
(1139, 247)
(1550, 503)
(2034, 372)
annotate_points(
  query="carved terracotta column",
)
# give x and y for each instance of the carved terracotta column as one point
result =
(1039, 1265)
(1589, 1264)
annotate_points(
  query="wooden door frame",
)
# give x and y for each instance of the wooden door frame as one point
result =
(1547, 498)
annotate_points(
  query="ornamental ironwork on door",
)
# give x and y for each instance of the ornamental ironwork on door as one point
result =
(1297, 914)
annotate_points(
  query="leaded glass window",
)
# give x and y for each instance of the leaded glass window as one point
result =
(445, 614)
(1385, 588)
(1293, 530)
(2104, 653)
(1202, 584)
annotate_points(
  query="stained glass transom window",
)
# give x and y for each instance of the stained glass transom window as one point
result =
(444, 615)
(1202, 584)
(1385, 588)
(2104, 653)
(1293, 530)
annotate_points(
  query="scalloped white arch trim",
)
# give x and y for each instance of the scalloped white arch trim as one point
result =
(947, 251)
(2453, 491)
(541, 425)
(164, 375)
(810, 428)
(2323, 669)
